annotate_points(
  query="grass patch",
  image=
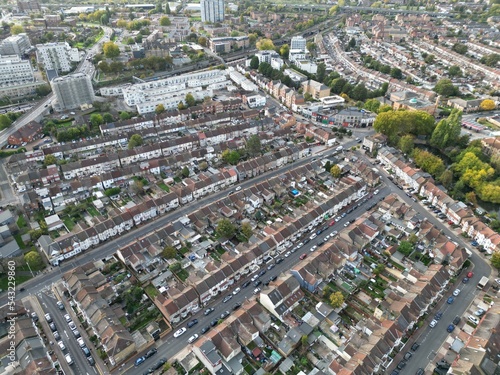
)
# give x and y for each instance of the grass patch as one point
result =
(69, 223)
(19, 241)
(4, 280)
(164, 187)
(182, 274)
(21, 222)
(92, 211)
(123, 321)
(151, 291)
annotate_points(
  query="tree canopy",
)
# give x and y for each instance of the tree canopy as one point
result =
(446, 88)
(253, 146)
(447, 131)
(396, 123)
(336, 299)
(265, 44)
(134, 141)
(225, 229)
(487, 105)
(110, 50)
(165, 21)
(16, 29)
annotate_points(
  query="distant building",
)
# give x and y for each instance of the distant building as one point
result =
(28, 133)
(15, 45)
(13, 70)
(57, 56)
(73, 90)
(212, 10)
(29, 6)
(226, 44)
(353, 117)
(298, 43)
(316, 89)
(266, 56)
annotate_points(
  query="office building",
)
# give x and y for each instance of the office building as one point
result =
(72, 91)
(298, 43)
(15, 45)
(212, 10)
(57, 56)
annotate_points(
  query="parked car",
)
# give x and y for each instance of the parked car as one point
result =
(470, 274)
(479, 312)
(67, 317)
(245, 284)
(433, 323)
(279, 260)
(450, 328)
(236, 306)
(208, 311)
(139, 361)
(420, 371)
(61, 345)
(80, 342)
(401, 365)
(473, 319)
(205, 329)
(193, 338)
(456, 320)
(450, 300)
(407, 356)
(456, 292)
(415, 346)
(91, 361)
(465, 280)
(192, 323)
(438, 316)
(53, 327)
(225, 314)
(60, 305)
(180, 332)
(227, 298)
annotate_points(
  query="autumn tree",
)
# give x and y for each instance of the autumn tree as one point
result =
(110, 50)
(190, 100)
(165, 21)
(49, 160)
(16, 29)
(225, 229)
(446, 178)
(135, 141)
(471, 197)
(137, 187)
(429, 162)
(495, 259)
(231, 157)
(336, 300)
(246, 230)
(285, 51)
(397, 123)
(487, 105)
(265, 44)
(335, 171)
(169, 252)
(160, 108)
(202, 41)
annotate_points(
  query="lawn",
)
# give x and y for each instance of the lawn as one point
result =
(92, 211)
(19, 241)
(69, 223)
(163, 186)
(4, 281)
(21, 222)
(151, 291)
(65, 124)
(182, 274)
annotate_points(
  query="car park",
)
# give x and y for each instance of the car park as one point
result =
(192, 323)
(433, 323)
(193, 338)
(456, 292)
(450, 300)
(208, 311)
(180, 332)
(227, 298)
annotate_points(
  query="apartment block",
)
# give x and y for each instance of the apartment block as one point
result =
(212, 10)
(57, 56)
(73, 90)
(15, 45)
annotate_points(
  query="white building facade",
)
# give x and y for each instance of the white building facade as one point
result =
(212, 10)
(57, 56)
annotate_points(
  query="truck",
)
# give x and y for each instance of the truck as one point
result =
(482, 283)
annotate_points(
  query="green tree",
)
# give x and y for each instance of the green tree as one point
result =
(446, 178)
(16, 29)
(160, 108)
(190, 100)
(265, 44)
(304, 342)
(254, 63)
(253, 146)
(202, 41)
(125, 115)
(107, 118)
(110, 50)
(335, 171)
(96, 119)
(336, 300)
(396, 73)
(49, 160)
(167, 9)
(5, 122)
(333, 10)
(337, 85)
(447, 131)
(169, 252)
(372, 105)
(459, 48)
(246, 230)
(428, 162)
(311, 47)
(231, 157)
(43, 90)
(359, 92)
(406, 144)
(225, 229)
(495, 259)
(454, 71)
(34, 259)
(165, 21)
(185, 172)
(446, 88)
(285, 51)
(112, 191)
(405, 248)
(379, 269)
(491, 60)
(134, 141)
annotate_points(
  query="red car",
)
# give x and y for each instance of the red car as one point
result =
(303, 256)
(470, 274)
(331, 223)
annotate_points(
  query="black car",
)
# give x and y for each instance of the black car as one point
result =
(208, 311)
(401, 365)
(257, 283)
(415, 346)
(236, 306)
(395, 372)
(52, 327)
(407, 356)
(443, 364)
(245, 284)
(456, 320)
(272, 278)
(306, 240)
(279, 260)
(158, 364)
(320, 243)
(225, 314)
(91, 361)
(150, 353)
(420, 371)
(262, 272)
(205, 329)
(192, 323)
(214, 322)
(438, 316)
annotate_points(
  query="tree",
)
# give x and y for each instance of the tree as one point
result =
(107, 118)
(253, 145)
(303, 341)
(43, 90)
(284, 51)
(413, 238)
(471, 197)
(460, 48)
(495, 259)
(447, 131)
(134, 141)
(265, 44)
(335, 171)
(5, 122)
(446, 88)
(311, 47)
(110, 50)
(446, 178)
(96, 119)
(190, 100)
(231, 157)
(454, 71)
(112, 191)
(202, 41)
(372, 105)
(34, 259)
(405, 248)
(254, 63)
(359, 92)
(333, 10)
(225, 229)
(165, 21)
(185, 172)
(406, 144)
(379, 269)
(336, 300)
(16, 29)
(428, 162)
(203, 166)
(160, 108)
(125, 115)
(491, 59)
(137, 187)
(487, 105)
(169, 252)
(246, 230)
(337, 85)
(396, 73)
(49, 160)
(167, 9)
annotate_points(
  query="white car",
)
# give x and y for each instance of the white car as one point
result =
(433, 323)
(193, 338)
(68, 359)
(61, 345)
(180, 332)
(473, 319)
(72, 325)
(497, 281)
(287, 254)
(236, 291)
(313, 248)
(67, 317)
(456, 292)
(80, 342)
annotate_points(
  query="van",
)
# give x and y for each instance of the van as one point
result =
(275, 326)
(340, 148)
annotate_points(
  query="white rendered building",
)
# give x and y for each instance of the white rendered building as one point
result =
(57, 56)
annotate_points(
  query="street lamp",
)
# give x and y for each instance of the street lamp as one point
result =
(28, 263)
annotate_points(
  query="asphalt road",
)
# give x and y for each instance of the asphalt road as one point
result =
(80, 364)
(171, 346)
